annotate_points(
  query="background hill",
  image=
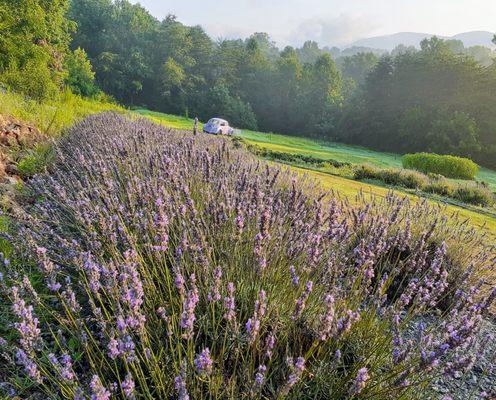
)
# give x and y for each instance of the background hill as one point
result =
(389, 42)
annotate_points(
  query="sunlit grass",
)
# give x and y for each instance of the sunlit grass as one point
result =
(51, 117)
(172, 121)
(352, 189)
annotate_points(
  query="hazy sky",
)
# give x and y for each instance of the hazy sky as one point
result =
(330, 22)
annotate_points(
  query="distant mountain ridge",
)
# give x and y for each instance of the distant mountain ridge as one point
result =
(389, 42)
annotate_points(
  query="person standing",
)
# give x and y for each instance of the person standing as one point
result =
(195, 126)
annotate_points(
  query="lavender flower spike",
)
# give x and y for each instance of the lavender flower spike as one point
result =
(253, 324)
(189, 304)
(360, 381)
(128, 387)
(302, 300)
(98, 391)
(229, 304)
(180, 384)
(204, 362)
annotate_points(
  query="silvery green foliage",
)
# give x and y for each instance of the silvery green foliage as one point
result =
(176, 267)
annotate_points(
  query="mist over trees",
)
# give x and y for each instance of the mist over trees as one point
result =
(438, 98)
(429, 100)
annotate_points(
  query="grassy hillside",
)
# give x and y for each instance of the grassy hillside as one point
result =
(339, 152)
(52, 116)
(343, 153)
(353, 190)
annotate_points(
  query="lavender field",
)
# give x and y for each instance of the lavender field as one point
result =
(151, 264)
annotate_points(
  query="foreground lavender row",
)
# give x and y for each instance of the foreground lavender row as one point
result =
(167, 266)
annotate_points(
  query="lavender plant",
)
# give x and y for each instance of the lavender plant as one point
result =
(171, 266)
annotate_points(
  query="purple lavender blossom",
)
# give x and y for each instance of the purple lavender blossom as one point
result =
(240, 223)
(260, 376)
(295, 279)
(128, 387)
(302, 300)
(93, 273)
(297, 368)
(179, 282)
(180, 384)
(204, 363)
(360, 382)
(131, 291)
(269, 345)
(28, 326)
(229, 303)
(189, 304)
(63, 367)
(98, 391)
(46, 265)
(326, 329)
(344, 323)
(29, 366)
(162, 313)
(122, 346)
(70, 300)
(53, 285)
(253, 324)
(214, 293)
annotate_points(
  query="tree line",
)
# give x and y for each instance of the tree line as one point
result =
(439, 98)
(428, 100)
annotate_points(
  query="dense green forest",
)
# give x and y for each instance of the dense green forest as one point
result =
(439, 98)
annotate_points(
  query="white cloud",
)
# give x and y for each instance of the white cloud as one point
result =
(330, 31)
(227, 31)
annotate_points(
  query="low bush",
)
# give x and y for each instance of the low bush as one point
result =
(176, 267)
(474, 195)
(408, 179)
(365, 171)
(446, 165)
(35, 161)
(478, 195)
(395, 177)
(441, 187)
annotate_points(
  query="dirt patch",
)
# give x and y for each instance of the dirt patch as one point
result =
(15, 136)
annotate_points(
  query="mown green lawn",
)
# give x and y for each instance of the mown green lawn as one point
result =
(325, 151)
(172, 121)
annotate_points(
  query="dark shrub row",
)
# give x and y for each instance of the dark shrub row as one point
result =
(292, 158)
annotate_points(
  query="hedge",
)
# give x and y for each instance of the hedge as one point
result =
(446, 165)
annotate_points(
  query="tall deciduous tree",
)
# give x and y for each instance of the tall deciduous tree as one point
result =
(34, 39)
